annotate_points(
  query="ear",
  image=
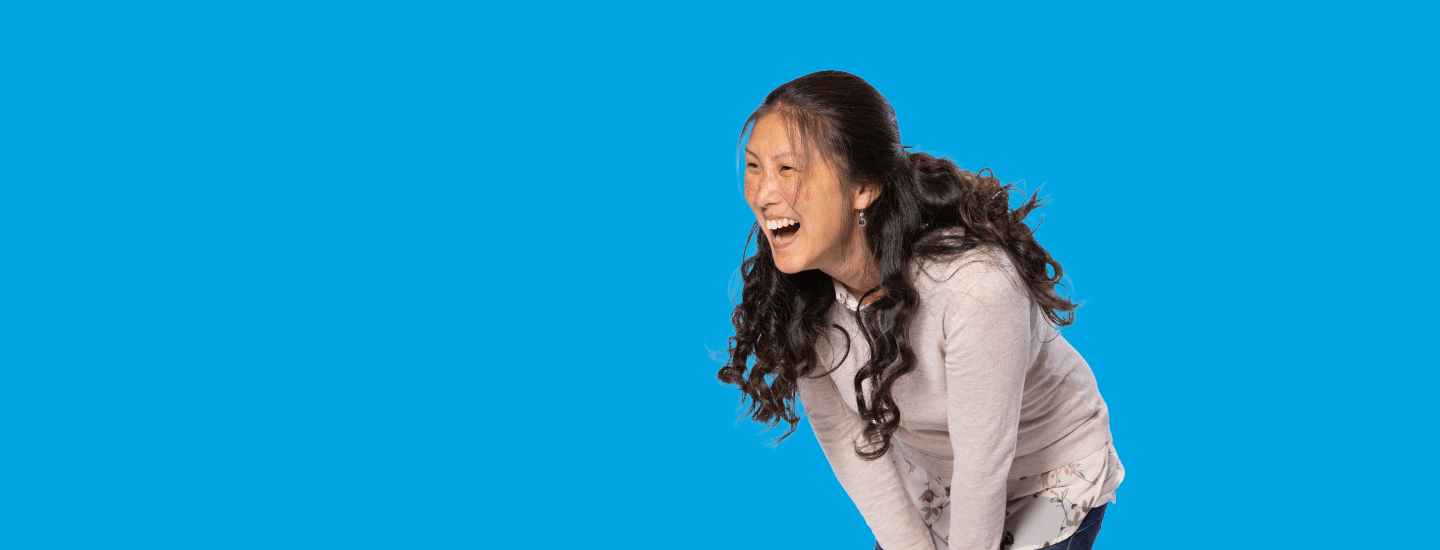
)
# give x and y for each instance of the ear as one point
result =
(863, 193)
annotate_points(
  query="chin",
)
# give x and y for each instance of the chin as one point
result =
(788, 266)
(792, 259)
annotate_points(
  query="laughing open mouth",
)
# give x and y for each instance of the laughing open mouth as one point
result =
(784, 234)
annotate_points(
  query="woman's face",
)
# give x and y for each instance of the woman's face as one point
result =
(774, 190)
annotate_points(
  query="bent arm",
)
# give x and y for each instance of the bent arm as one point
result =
(874, 485)
(989, 344)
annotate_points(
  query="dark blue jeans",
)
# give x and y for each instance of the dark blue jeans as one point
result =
(1082, 539)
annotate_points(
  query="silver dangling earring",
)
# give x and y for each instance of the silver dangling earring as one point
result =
(862, 218)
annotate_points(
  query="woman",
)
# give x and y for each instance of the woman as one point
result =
(949, 407)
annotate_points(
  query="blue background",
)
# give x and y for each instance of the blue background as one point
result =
(450, 276)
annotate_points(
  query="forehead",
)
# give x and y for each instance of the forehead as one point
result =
(770, 137)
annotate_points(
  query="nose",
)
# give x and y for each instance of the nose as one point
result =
(765, 190)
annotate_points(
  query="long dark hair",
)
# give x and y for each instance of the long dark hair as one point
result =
(847, 123)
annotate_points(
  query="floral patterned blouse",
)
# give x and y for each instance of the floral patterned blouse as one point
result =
(1040, 510)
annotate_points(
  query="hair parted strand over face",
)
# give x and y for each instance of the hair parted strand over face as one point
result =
(838, 118)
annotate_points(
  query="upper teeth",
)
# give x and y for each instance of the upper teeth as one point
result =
(777, 224)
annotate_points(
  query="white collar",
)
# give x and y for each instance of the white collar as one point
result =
(843, 295)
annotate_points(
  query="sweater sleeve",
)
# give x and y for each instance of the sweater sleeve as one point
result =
(988, 347)
(873, 485)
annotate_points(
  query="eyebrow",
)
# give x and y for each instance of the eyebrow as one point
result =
(777, 155)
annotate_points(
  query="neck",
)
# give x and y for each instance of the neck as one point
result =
(859, 271)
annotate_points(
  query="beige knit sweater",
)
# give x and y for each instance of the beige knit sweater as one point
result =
(996, 394)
